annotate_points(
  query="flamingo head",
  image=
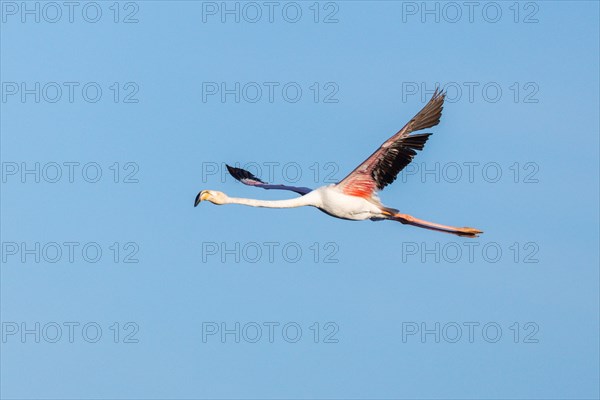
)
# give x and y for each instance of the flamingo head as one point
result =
(213, 196)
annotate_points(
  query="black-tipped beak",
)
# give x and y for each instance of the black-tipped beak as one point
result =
(198, 199)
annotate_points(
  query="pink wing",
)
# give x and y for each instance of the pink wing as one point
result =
(382, 167)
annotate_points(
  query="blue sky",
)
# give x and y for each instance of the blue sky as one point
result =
(115, 116)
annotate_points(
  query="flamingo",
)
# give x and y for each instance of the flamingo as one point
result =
(355, 197)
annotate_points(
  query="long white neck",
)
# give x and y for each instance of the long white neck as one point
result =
(291, 203)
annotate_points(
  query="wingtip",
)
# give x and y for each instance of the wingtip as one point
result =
(439, 93)
(233, 171)
(229, 168)
(241, 174)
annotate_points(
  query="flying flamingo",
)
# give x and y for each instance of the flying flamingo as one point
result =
(355, 196)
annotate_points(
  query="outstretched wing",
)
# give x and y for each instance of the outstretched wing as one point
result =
(247, 178)
(382, 167)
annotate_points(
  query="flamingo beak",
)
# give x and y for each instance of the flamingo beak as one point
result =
(201, 196)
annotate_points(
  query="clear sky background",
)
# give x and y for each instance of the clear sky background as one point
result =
(512, 314)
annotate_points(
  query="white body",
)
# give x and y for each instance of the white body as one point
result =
(334, 202)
